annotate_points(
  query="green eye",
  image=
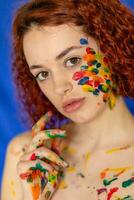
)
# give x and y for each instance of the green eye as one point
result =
(41, 76)
(73, 61)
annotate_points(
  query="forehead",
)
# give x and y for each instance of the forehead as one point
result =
(51, 40)
(63, 34)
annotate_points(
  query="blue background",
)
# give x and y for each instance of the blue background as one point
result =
(10, 124)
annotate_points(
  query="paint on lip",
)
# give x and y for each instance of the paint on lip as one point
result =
(74, 106)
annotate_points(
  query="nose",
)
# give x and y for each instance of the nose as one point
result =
(62, 84)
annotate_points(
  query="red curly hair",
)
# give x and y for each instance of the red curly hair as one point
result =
(108, 22)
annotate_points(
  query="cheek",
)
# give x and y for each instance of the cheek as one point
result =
(46, 90)
(94, 76)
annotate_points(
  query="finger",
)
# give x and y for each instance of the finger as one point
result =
(46, 153)
(25, 168)
(40, 124)
(56, 146)
(40, 138)
(51, 186)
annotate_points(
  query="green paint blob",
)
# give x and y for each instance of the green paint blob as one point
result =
(106, 70)
(50, 135)
(38, 166)
(108, 182)
(81, 175)
(105, 89)
(52, 178)
(128, 198)
(29, 179)
(127, 183)
(47, 195)
(33, 168)
(83, 67)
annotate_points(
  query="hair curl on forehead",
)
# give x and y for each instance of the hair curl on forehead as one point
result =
(109, 22)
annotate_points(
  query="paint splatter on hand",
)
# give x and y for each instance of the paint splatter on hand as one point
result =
(40, 168)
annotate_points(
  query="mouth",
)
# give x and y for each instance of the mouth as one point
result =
(73, 105)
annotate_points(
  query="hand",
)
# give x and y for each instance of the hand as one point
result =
(40, 167)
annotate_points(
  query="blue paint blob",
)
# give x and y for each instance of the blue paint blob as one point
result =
(83, 41)
(100, 87)
(95, 70)
(83, 81)
(98, 65)
(96, 92)
(83, 67)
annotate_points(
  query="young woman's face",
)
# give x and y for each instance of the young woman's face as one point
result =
(67, 64)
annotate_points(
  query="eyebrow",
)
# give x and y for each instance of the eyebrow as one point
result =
(61, 55)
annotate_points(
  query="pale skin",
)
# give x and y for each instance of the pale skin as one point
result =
(93, 132)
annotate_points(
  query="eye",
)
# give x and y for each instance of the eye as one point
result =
(73, 61)
(41, 76)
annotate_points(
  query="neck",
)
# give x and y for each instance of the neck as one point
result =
(110, 129)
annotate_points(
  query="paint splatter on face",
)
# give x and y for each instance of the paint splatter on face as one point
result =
(94, 76)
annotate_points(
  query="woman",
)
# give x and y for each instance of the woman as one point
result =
(73, 64)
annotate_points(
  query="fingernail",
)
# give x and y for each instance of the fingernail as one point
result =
(66, 164)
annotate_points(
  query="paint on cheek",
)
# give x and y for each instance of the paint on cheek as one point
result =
(83, 41)
(95, 76)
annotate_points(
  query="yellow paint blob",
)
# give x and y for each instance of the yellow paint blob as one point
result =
(63, 185)
(117, 149)
(12, 191)
(87, 158)
(85, 88)
(120, 170)
(71, 150)
(71, 169)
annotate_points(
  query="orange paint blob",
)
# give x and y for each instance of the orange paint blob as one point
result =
(89, 57)
(35, 191)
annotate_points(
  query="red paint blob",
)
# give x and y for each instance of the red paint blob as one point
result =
(113, 190)
(90, 82)
(78, 75)
(88, 50)
(33, 157)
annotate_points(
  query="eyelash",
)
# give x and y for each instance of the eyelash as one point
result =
(75, 57)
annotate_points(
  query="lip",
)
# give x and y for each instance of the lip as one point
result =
(73, 104)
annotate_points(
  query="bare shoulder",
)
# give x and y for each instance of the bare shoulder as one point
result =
(11, 187)
(20, 141)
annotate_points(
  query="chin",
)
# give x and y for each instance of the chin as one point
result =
(83, 116)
